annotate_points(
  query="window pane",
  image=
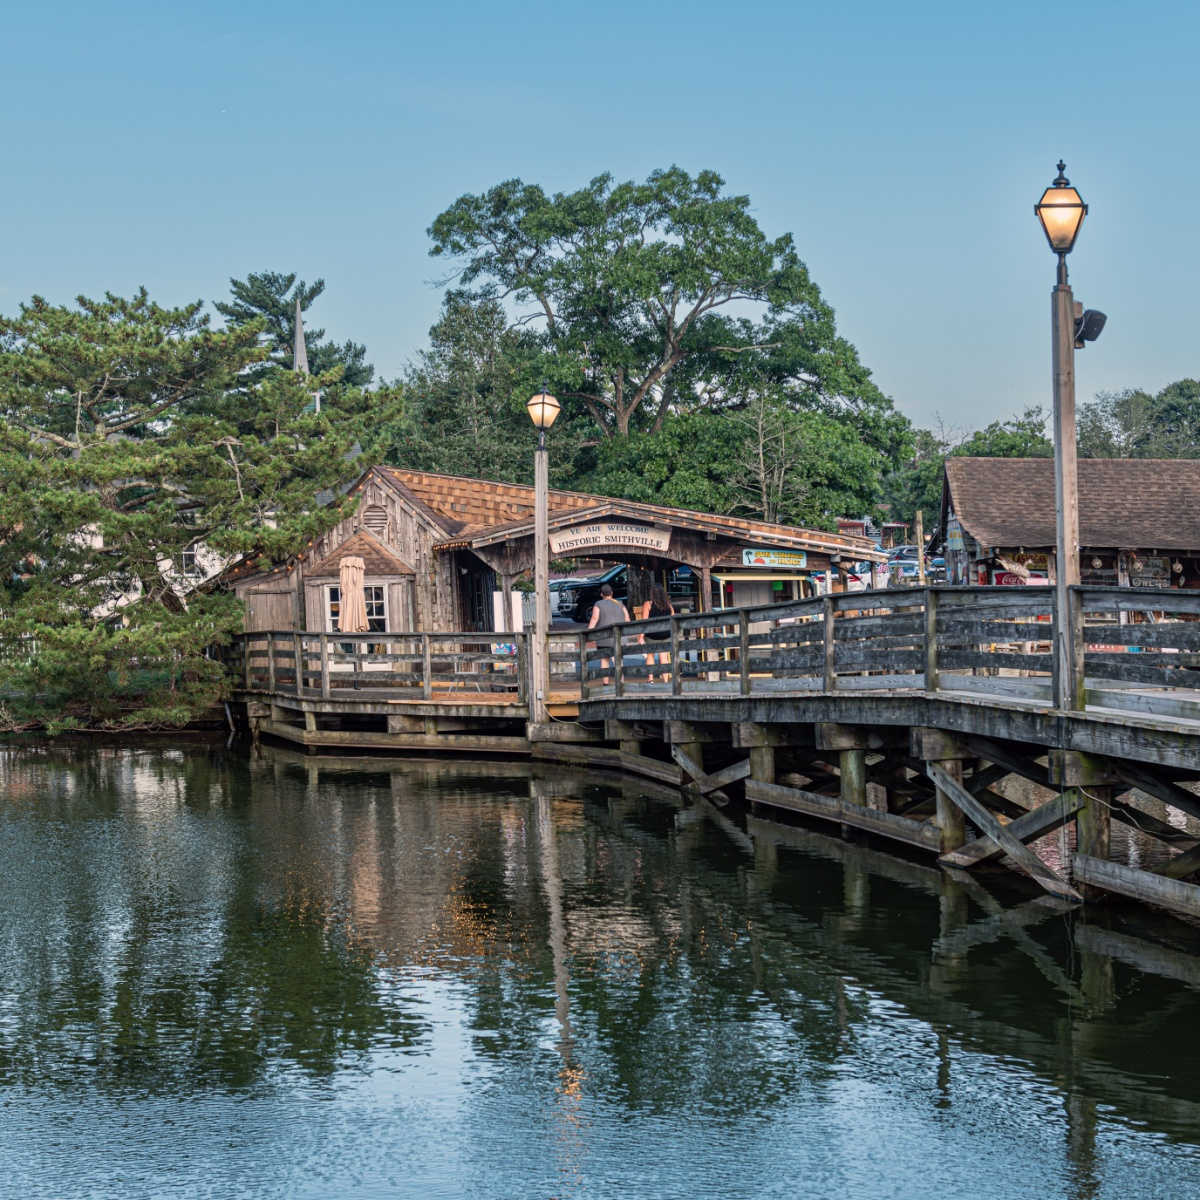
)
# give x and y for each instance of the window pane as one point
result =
(376, 608)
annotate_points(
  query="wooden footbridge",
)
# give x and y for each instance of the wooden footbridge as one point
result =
(899, 714)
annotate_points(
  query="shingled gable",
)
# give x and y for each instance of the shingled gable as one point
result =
(377, 559)
(1123, 502)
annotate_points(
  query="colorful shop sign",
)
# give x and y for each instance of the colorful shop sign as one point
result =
(774, 558)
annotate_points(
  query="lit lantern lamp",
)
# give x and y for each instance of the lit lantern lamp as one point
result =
(543, 411)
(1061, 211)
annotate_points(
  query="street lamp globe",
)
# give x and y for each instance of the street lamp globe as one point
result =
(1061, 211)
(543, 409)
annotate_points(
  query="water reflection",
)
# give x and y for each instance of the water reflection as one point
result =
(499, 981)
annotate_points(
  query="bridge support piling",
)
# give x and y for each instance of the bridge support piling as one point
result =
(760, 742)
(852, 767)
(625, 734)
(1089, 779)
(762, 763)
(948, 752)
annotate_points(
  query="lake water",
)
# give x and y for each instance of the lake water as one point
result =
(233, 975)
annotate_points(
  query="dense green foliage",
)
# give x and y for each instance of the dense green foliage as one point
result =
(128, 435)
(1135, 424)
(765, 461)
(641, 293)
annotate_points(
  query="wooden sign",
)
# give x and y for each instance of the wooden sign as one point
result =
(603, 535)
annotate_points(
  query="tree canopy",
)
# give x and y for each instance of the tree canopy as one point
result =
(1136, 424)
(268, 300)
(119, 451)
(646, 297)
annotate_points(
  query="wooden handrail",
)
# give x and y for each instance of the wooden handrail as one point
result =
(976, 639)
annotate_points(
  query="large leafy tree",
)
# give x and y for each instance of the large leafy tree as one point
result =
(112, 464)
(647, 296)
(267, 299)
(1136, 424)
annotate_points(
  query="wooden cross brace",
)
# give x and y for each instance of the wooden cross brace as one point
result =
(987, 824)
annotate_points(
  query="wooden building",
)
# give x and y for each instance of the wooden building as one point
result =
(1139, 521)
(438, 548)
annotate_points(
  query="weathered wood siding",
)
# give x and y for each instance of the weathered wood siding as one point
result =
(411, 536)
(269, 604)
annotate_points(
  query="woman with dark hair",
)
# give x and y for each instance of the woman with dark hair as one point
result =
(659, 605)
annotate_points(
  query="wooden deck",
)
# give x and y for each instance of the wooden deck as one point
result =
(897, 713)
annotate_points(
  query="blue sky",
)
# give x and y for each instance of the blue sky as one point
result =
(903, 145)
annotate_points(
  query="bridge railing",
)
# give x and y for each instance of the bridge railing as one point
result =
(1141, 651)
(854, 640)
(1141, 646)
(401, 665)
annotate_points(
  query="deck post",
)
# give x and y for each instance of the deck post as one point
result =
(618, 663)
(325, 666)
(762, 763)
(245, 644)
(583, 679)
(298, 663)
(522, 667)
(830, 665)
(271, 663)
(1086, 782)
(931, 655)
(744, 651)
(676, 664)
(426, 668)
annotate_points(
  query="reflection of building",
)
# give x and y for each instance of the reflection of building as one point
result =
(1139, 521)
(439, 549)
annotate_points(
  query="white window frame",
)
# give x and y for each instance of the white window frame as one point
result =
(380, 600)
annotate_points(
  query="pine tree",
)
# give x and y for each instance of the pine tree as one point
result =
(269, 297)
(119, 450)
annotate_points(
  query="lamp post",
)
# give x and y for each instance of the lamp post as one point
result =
(543, 409)
(1061, 211)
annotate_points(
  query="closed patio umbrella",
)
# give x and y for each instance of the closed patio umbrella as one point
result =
(352, 612)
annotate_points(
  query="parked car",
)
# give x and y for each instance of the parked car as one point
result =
(575, 598)
(902, 562)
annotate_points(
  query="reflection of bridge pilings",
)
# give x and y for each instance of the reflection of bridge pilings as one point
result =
(1088, 992)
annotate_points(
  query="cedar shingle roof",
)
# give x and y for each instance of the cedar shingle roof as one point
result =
(464, 506)
(377, 559)
(1134, 503)
(475, 510)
